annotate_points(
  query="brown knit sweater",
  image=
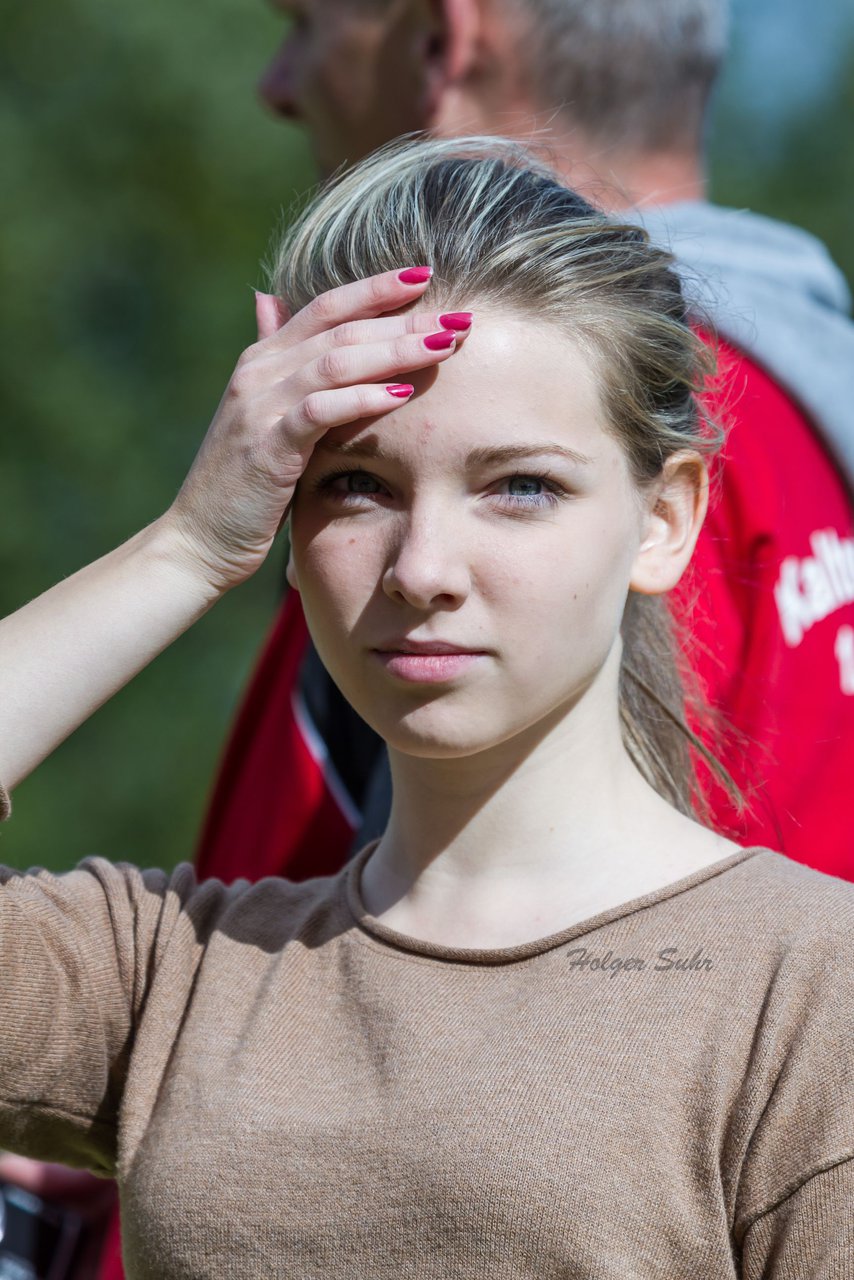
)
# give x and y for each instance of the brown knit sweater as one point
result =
(285, 1087)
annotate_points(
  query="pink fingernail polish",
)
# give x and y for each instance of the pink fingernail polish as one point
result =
(440, 341)
(415, 275)
(403, 390)
(456, 320)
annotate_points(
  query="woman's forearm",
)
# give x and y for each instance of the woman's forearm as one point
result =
(68, 651)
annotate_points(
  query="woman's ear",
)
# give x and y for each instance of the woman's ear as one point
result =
(674, 511)
(290, 568)
(291, 571)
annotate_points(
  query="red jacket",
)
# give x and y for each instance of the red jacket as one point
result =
(769, 605)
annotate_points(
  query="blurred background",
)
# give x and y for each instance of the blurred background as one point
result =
(142, 183)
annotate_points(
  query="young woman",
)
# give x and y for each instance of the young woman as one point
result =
(549, 1025)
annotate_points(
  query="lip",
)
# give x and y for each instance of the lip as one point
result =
(427, 661)
(407, 645)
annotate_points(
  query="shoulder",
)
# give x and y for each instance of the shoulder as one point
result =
(795, 1112)
(783, 934)
(793, 904)
(787, 930)
(274, 911)
(173, 910)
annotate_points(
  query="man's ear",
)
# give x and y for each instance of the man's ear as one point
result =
(675, 508)
(453, 47)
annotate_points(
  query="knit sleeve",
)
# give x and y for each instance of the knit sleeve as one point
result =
(795, 1183)
(81, 959)
(5, 803)
(809, 1234)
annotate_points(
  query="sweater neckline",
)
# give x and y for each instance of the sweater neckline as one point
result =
(522, 951)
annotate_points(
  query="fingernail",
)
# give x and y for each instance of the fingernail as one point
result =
(440, 341)
(456, 319)
(402, 390)
(415, 275)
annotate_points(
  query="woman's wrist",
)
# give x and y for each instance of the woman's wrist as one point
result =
(171, 551)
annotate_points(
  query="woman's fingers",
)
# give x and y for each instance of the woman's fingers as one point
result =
(360, 300)
(352, 314)
(300, 405)
(320, 411)
(340, 359)
(369, 362)
(270, 314)
(364, 332)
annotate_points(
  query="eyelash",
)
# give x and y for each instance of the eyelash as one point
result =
(514, 503)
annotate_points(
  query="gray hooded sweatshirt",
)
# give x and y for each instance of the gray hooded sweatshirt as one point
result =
(772, 291)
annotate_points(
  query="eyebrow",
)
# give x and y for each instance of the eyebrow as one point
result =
(484, 456)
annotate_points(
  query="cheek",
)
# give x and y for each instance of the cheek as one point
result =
(560, 596)
(338, 569)
(575, 566)
(344, 75)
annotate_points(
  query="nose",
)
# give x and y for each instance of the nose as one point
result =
(277, 87)
(428, 567)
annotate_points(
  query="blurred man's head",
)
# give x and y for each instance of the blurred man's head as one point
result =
(352, 73)
(614, 79)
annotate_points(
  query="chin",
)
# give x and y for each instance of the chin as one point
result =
(433, 729)
(437, 731)
(436, 746)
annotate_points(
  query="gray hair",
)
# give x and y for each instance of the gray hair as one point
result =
(499, 228)
(633, 73)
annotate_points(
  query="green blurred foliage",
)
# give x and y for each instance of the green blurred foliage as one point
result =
(141, 183)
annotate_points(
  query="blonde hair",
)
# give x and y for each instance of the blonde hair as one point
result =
(498, 228)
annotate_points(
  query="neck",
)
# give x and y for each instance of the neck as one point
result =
(552, 822)
(609, 177)
(613, 178)
(615, 181)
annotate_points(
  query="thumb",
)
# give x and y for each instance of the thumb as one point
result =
(270, 313)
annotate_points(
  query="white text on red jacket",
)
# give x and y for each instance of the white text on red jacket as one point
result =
(810, 588)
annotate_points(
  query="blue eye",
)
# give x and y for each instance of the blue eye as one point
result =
(342, 485)
(529, 491)
(525, 486)
(519, 493)
(360, 482)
